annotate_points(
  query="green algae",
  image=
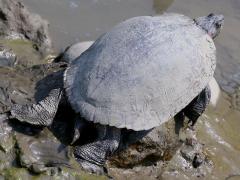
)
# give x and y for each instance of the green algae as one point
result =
(63, 174)
(26, 51)
(15, 174)
(81, 175)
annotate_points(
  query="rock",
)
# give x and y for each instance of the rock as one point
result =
(7, 143)
(160, 144)
(198, 160)
(164, 149)
(17, 22)
(20, 85)
(5, 102)
(42, 151)
(73, 51)
(19, 62)
(19, 53)
(7, 57)
(6, 139)
(189, 162)
(14, 87)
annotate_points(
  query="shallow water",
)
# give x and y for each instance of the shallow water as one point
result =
(218, 129)
(77, 20)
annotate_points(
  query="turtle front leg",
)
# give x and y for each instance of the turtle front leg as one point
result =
(199, 104)
(93, 156)
(41, 113)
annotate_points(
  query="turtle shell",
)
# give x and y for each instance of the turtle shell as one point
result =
(142, 72)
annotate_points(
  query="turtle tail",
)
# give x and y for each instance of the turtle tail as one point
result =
(41, 113)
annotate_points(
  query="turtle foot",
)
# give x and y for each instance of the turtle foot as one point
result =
(92, 168)
(41, 113)
(92, 156)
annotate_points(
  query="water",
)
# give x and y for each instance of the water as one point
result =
(78, 20)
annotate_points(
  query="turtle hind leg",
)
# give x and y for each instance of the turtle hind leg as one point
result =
(199, 104)
(92, 156)
(41, 113)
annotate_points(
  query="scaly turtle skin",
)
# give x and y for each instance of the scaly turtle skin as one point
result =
(136, 76)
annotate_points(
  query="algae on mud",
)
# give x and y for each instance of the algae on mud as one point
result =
(25, 51)
(64, 174)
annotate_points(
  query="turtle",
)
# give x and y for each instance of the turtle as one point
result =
(135, 77)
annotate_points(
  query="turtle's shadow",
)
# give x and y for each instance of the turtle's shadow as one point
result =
(24, 128)
(48, 83)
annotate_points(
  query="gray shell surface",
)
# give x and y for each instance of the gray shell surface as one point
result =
(142, 72)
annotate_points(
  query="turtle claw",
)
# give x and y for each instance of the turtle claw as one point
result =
(79, 125)
(76, 136)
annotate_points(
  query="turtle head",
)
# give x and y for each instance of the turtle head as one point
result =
(212, 23)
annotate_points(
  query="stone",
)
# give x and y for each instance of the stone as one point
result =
(7, 57)
(17, 22)
(157, 146)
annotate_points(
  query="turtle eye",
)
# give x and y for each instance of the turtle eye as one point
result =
(217, 25)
